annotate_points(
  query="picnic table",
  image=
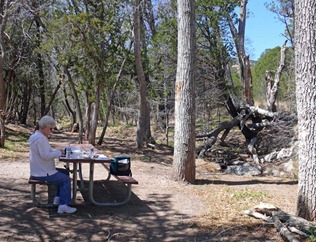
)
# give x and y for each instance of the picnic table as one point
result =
(81, 154)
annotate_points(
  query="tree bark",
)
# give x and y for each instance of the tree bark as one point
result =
(247, 82)
(150, 17)
(77, 103)
(185, 113)
(273, 85)
(26, 98)
(52, 98)
(243, 59)
(88, 106)
(68, 108)
(305, 76)
(143, 126)
(3, 23)
(40, 69)
(95, 114)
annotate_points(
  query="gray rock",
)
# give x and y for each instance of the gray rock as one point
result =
(245, 169)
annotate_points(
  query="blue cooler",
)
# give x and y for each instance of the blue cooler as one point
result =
(121, 166)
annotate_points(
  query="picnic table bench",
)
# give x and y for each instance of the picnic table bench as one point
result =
(122, 179)
(33, 192)
(126, 180)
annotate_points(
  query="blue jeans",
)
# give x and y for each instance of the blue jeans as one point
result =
(62, 181)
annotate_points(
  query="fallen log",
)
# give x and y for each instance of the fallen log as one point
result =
(289, 219)
(294, 221)
(212, 137)
(283, 230)
(286, 224)
(258, 215)
(295, 230)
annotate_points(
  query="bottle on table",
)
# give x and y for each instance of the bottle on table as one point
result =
(91, 152)
(68, 151)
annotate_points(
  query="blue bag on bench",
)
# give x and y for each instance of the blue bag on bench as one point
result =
(121, 166)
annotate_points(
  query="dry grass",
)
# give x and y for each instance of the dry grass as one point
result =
(16, 140)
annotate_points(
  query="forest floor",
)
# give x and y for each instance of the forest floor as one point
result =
(160, 208)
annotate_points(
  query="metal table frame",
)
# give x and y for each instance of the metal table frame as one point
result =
(77, 164)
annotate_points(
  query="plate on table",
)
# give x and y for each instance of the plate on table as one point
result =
(102, 157)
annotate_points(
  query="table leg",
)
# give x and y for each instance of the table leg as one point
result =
(91, 183)
(74, 183)
(91, 174)
(81, 177)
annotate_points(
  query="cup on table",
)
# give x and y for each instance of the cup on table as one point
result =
(76, 154)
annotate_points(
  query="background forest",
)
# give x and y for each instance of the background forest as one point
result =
(94, 64)
(75, 60)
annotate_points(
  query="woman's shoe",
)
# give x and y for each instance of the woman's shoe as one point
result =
(66, 209)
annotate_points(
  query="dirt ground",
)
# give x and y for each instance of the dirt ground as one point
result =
(160, 209)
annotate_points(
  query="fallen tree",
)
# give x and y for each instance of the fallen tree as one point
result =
(290, 227)
(271, 140)
(250, 120)
(259, 119)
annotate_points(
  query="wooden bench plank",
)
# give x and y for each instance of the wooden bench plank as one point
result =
(31, 181)
(123, 179)
(126, 179)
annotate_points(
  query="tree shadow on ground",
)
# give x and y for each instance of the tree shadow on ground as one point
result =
(151, 218)
(139, 220)
(243, 182)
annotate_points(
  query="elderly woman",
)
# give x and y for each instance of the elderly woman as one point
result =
(42, 164)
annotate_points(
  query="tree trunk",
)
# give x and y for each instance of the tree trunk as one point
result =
(305, 75)
(77, 103)
(3, 24)
(52, 98)
(95, 115)
(151, 17)
(2, 99)
(70, 111)
(185, 113)
(2, 104)
(12, 95)
(273, 85)
(143, 126)
(88, 106)
(40, 70)
(26, 98)
(247, 82)
(243, 59)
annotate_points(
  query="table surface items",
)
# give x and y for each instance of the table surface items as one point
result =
(82, 153)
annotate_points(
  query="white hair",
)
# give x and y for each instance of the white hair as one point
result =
(46, 121)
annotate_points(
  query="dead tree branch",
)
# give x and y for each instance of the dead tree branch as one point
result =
(286, 224)
(273, 84)
(250, 120)
(212, 137)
